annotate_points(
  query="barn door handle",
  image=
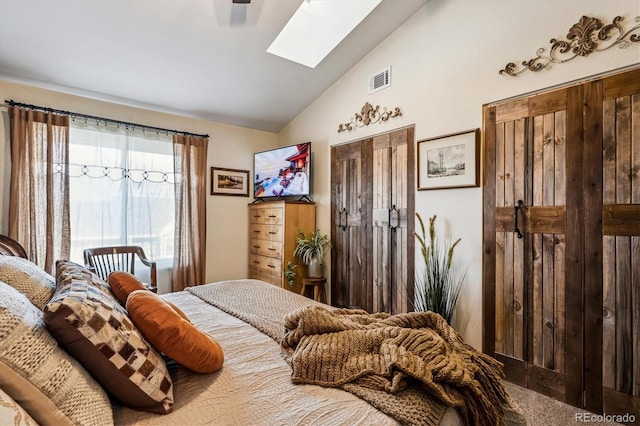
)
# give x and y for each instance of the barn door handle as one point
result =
(515, 218)
(393, 212)
(340, 224)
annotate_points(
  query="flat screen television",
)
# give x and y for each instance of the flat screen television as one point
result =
(283, 172)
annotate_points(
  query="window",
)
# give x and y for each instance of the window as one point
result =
(121, 186)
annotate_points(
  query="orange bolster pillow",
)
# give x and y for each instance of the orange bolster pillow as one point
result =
(123, 283)
(172, 334)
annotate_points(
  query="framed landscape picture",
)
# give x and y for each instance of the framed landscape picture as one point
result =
(449, 161)
(229, 182)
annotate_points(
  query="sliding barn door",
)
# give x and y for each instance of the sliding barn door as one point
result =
(372, 215)
(527, 150)
(621, 243)
(350, 210)
(392, 226)
(561, 265)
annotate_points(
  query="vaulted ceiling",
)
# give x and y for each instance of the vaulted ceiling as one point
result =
(199, 58)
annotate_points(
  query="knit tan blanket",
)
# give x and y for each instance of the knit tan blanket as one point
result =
(416, 357)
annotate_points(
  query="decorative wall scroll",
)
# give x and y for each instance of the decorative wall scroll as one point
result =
(369, 114)
(584, 37)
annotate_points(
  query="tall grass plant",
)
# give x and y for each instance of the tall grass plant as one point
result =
(438, 286)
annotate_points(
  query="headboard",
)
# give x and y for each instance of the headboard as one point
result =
(10, 247)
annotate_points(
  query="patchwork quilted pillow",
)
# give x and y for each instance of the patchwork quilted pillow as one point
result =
(67, 271)
(92, 326)
(172, 334)
(39, 375)
(28, 278)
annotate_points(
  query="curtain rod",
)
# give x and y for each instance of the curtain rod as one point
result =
(93, 117)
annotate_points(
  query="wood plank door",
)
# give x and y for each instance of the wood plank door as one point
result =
(392, 222)
(561, 305)
(372, 216)
(350, 210)
(526, 205)
(621, 244)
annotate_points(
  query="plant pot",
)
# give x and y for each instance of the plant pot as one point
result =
(315, 268)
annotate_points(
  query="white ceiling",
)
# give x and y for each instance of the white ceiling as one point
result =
(200, 58)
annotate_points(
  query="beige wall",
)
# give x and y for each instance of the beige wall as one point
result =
(231, 147)
(445, 62)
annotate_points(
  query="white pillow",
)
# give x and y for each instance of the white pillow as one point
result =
(39, 375)
(28, 278)
(13, 413)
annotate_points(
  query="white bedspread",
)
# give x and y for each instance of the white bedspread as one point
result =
(254, 386)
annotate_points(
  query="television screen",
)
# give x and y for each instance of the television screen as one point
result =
(282, 172)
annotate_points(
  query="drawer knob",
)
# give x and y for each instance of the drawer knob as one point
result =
(273, 232)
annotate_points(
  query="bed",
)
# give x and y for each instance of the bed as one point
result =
(253, 387)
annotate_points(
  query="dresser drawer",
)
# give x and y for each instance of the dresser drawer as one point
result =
(266, 216)
(266, 263)
(266, 248)
(265, 269)
(260, 274)
(265, 232)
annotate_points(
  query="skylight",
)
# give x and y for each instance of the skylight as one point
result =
(317, 27)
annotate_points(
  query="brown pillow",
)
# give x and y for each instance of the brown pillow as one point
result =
(68, 270)
(171, 334)
(123, 283)
(93, 327)
(39, 375)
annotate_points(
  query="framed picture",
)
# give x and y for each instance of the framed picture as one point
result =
(229, 182)
(449, 161)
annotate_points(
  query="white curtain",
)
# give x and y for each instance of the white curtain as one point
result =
(121, 186)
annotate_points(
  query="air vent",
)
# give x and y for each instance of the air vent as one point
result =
(380, 80)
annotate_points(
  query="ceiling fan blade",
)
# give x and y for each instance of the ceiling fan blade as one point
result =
(241, 1)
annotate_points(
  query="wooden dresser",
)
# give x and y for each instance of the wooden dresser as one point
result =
(273, 227)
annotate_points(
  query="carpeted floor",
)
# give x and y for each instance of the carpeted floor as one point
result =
(540, 410)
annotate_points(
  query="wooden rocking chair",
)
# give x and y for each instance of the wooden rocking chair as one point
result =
(104, 260)
(10, 247)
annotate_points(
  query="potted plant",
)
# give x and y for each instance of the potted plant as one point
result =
(290, 273)
(311, 251)
(438, 287)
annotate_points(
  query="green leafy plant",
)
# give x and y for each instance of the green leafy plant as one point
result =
(313, 247)
(438, 287)
(290, 273)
